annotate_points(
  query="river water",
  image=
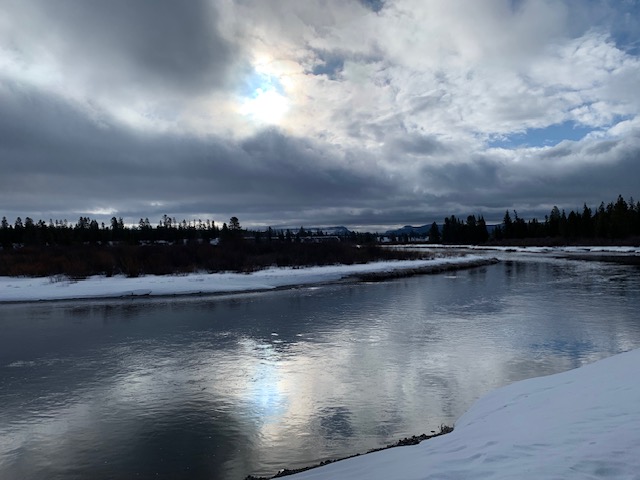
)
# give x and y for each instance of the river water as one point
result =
(223, 387)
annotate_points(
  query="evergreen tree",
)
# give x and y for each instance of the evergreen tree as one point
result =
(619, 219)
(507, 225)
(601, 223)
(5, 234)
(434, 233)
(553, 225)
(234, 224)
(482, 234)
(587, 228)
(519, 226)
(636, 222)
(573, 225)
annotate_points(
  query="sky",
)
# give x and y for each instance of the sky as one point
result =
(371, 114)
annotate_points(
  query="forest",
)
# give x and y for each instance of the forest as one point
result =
(89, 232)
(39, 248)
(611, 223)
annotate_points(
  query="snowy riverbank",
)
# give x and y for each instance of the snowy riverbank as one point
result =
(14, 289)
(21, 289)
(584, 423)
(585, 251)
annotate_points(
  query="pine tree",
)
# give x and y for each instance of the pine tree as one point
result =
(434, 233)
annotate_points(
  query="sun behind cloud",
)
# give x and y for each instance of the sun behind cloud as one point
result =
(266, 106)
(264, 99)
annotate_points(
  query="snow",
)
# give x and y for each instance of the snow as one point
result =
(14, 289)
(580, 424)
(596, 250)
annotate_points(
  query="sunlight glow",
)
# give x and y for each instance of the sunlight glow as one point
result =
(266, 106)
(265, 92)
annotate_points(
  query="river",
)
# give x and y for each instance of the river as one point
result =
(225, 386)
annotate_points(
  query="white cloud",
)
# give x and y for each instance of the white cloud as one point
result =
(408, 98)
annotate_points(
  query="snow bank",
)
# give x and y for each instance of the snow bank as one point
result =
(59, 288)
(584, 423)
(618, 250)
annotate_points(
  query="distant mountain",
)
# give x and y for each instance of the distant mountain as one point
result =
(423, 230)
(339, 230)
(411, 230)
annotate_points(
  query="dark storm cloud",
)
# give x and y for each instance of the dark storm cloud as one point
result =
(160, 43)
(52, 155)
(480, 174)
(618, 178)
(300, 168)
(418, 145)
(491, 186)
(41, 134)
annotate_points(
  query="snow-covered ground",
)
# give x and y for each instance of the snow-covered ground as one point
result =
(14, 289)
(603, 250)
(596, 250)
(580, 424)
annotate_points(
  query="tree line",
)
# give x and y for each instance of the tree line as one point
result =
(613, 221)
(86, 248)
(454, 230)
(88, 231)
(610, 222)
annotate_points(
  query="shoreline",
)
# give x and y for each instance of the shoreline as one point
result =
(428, 270)
(18, 290)
(403, 442)
(37, 290)
(617, 259)
(580, 423)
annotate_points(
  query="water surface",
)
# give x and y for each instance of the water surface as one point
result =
(223, 387)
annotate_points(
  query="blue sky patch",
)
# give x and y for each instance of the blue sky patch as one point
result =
(543, 137)
(260, 82)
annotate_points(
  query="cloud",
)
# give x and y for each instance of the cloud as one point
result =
(388, 112)
(157, 44)
(107, 167)
(374, 5)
